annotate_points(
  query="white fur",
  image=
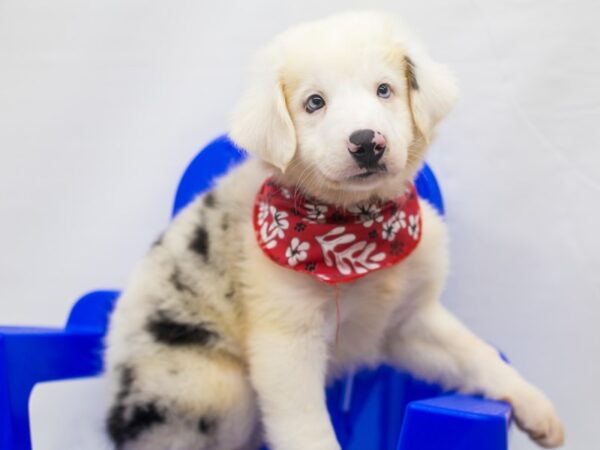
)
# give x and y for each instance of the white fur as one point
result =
(264, 374)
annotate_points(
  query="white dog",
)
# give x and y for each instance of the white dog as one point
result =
(226, 334)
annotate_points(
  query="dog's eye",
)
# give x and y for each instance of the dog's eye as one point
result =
(313, 103)
(384, 90)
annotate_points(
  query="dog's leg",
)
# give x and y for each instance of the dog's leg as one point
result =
(434, 345)
(287, 366)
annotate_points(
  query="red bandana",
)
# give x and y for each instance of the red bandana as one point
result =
(335, 245)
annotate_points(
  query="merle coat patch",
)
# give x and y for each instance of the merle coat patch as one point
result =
(178, 283)
(207, 425)
(210, 200)
(171, 332)
(199, 242)
(127, 423)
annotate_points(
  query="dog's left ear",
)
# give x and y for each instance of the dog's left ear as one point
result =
(261, 123)
(432, 89)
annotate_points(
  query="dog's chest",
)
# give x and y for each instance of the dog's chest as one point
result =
(366, 310)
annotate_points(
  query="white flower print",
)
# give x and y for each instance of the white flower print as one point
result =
(413, 226)
(279, 220)
(296, 251)
(390, 228)
(400, 218)
(393, 225)
(367, 214)
(271, 231)
(315, 212)
(263, 212)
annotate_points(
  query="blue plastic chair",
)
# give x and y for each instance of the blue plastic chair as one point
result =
(371, 410)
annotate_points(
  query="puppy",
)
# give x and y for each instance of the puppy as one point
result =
(226, 333)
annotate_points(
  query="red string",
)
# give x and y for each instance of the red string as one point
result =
(337, 314)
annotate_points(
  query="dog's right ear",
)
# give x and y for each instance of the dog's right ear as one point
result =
(261, 123)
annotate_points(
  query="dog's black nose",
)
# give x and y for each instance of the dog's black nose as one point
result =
(366, 147)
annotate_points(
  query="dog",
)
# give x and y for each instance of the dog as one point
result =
(228, 330)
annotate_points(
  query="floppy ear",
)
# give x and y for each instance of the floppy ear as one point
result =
(431, 87)
(261, 123)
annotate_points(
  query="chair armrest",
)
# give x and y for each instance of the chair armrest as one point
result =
(455, 422)
(33, 355)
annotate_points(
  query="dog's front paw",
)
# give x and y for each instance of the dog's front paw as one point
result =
(536, 416)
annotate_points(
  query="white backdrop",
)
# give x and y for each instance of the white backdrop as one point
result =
(102, 104)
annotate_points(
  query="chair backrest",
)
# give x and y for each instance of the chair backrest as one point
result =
(221, 154)
(210, 163)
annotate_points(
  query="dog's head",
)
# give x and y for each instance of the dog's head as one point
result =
(343, 107)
